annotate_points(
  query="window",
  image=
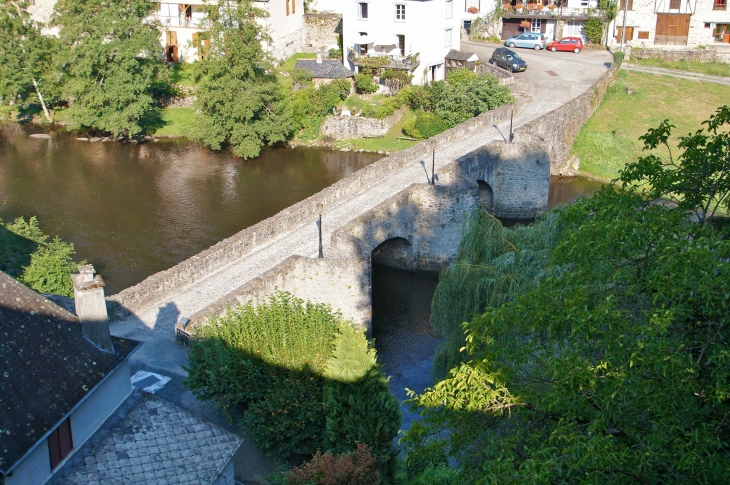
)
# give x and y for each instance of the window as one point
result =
(60, 443)
(536, 25)
(363, 47)
(402, 44)
(362, 10)
(449, 9)
(629, 7)
(674, 4)
(400, 12)
(584, 3)
(448, 37)
(643, 34)
(720, 4)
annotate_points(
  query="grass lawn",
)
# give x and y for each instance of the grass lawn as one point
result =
(634, 103)
(288, 65)
(388, 143)
(709, 68)
(178, 122)
(182, 73)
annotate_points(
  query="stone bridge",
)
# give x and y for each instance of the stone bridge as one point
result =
(386, 212)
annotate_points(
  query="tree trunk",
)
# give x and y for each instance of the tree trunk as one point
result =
(43, 103)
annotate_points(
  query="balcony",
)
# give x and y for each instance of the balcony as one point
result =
(384, 61)
(188, 22)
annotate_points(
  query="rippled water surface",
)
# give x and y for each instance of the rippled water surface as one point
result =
(133, 210)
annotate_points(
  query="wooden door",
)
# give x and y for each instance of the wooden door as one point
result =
(171, 48)
(510, 28)
(672, 29)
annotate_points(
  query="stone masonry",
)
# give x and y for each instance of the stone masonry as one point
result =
(344, 127)
(321, 31)
(693, 55)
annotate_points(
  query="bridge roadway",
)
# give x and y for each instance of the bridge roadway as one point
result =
(532, 101)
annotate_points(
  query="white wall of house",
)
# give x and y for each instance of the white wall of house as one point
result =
(334, 6)
(430, 27)
(642, 16)
(286, 30)
(35, 469)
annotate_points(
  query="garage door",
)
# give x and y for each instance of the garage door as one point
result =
(511, 28)
(672, 29)
(574, 28)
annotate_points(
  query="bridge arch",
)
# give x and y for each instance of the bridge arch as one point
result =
(395, 252)
(486, 195)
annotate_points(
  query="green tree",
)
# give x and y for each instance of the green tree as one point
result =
(593, 29)
(241, 104)
(26, 66)
(610, 369)
(112, 63)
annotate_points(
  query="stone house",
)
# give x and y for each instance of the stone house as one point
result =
(62, 380)
(460, 60)
(547, 18)
(324, 71)
(672, 23)
(409, 35)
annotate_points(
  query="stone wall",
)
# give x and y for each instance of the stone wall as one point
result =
(286, 46)
(342, 283)
(177, 101)
(321, 31)
(560, 127)
(344, 127)
(505, 78)
(225, 252)
(694, 55)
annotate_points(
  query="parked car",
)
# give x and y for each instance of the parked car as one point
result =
(574, 44)
(531, 40)
(507, 59)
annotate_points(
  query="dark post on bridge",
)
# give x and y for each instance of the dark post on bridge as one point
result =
(511, 133)
(319, 226)
(433, 167)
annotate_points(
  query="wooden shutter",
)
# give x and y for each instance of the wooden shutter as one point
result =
(672, 29)
(287, 7)
(293, 6)
(60, 443)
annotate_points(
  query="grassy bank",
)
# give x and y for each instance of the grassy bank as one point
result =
(635, 103)
(709, 68)
(390, 142)
(178, 122)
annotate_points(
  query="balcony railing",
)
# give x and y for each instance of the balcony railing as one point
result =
(190, 22)
(385, 61)
(551, 12)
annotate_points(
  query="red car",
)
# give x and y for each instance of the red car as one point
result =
(574, 44)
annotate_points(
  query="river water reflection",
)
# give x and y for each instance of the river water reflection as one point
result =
(133, 210)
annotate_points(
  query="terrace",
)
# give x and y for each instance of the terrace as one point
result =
(384, 60)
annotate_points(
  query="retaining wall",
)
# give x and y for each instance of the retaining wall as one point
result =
(187, 272)
(694, 55)
(344, 127)
(560, 127)
(321, 31)
(505, 78)
(342, 283)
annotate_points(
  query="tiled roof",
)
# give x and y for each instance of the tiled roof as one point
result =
(150, 441)
(328, 69)
(46, 367)
(458, 55)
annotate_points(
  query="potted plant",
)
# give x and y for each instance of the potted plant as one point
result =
(525, 24)
(472, 10)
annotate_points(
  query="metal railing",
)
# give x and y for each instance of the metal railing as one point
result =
(409, 62)
(189, 22)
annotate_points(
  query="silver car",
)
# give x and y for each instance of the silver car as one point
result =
(531, 40)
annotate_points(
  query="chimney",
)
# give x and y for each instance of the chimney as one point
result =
(319, 58)
(91, 307)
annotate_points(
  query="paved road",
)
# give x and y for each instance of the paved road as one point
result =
(154, 324)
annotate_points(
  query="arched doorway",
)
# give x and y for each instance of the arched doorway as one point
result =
(396, 252)
(486, 195)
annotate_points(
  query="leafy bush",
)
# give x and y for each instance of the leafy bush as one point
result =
(359, 467)
(301, 78)
(387, 107)
(440, 474)
(269, 365)
(425, 125)
(618, 58)
(334, 54)
(309, 105)
(28, 255)
(459, 76)
(593, 29)
(364, 82)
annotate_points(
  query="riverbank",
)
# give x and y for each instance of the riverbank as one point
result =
(632, 105)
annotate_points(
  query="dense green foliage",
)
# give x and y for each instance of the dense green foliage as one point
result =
(297, 377)
(611, 365)
(310, 105)
(425, 125)
(26, 66)
(241, 104)
(593, 29)
(364, 82)
(28, 255)
(111, 64)
(460, 76)
(358, 467)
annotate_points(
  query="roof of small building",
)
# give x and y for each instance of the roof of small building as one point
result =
(48, 367)
(150, 441)
(461, 56)
(328, 69)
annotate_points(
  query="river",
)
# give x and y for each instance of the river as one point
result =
(133, 210)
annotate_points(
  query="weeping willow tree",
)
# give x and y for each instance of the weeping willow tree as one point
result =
(493, 265)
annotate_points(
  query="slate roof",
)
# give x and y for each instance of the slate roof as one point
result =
(46, 367)
(328, 69)
(150, 441)
(458, 55)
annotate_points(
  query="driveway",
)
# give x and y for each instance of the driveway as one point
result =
(552, 69)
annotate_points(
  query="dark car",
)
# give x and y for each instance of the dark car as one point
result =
(507, 59)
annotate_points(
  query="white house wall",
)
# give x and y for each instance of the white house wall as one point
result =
(643, 17)
(424, 28)
(333, 6)
(286, 31)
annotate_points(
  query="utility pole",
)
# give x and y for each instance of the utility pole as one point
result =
(433, 168)
(623, 27)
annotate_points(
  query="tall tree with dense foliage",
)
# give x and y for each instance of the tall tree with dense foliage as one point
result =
(241, 104)
(112, 64)
(612, 368)
(26, 66)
